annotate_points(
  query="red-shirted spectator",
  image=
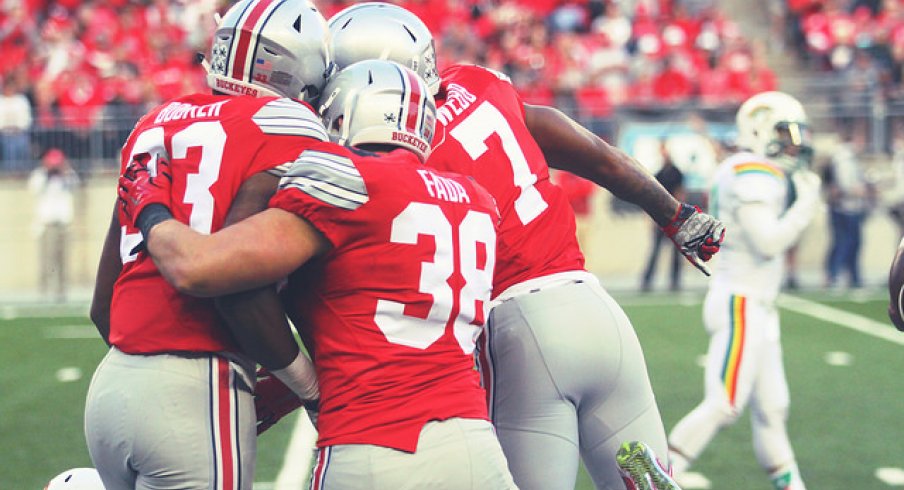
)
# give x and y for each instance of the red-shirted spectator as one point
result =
(672, 85)
(80, 98)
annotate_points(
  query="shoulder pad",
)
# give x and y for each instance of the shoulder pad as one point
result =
(327, 176)
(289, 117)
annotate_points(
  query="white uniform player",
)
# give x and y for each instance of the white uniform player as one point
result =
(751, 195)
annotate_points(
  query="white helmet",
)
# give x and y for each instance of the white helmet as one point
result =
(775, 125)
(373, 30)
(76, 479)
(266, 48)
(377, 101)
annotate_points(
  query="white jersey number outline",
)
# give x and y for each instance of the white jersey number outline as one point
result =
(211, 138)
(472, 133)
(428, 219)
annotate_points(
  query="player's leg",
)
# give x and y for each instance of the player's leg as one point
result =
(769, 415)
(107, 424)
(454, 454)
(190, 422)
(535, 420)
(732, 363)
(616, 402)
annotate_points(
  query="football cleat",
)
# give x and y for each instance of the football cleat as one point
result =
(640, 467)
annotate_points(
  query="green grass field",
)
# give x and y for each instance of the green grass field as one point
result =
(845, 423)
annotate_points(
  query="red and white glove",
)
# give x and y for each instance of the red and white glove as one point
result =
(273, 400)
(138, 189)
(696, 234)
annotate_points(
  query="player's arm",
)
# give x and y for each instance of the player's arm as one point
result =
(255, 252)
(569, 146)
(770, 235)
(256, 317)
(108, 270)
(252, 253)
(896, 289)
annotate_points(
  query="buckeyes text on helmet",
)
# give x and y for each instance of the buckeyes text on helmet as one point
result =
(270, 48)
(775, 125)
(379, 102)
(375, 30)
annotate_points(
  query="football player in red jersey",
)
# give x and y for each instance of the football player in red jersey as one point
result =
(398, 266)
(171, 405)
(564, 371)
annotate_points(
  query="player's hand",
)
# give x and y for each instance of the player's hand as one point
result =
(138, 188)
(697, 235)
(273, 400)
(807, 186)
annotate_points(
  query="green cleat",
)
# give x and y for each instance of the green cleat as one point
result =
(640, 465)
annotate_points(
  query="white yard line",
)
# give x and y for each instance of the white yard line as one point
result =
(841, 318)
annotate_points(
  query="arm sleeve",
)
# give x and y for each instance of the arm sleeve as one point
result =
(769, 235)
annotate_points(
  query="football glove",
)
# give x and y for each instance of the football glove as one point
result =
(697, 235)
(138, 189)
(273, 400)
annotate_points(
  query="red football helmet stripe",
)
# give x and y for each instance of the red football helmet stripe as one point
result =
(414, 103)
(246, 34)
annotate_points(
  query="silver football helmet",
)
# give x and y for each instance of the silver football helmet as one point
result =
(382, 102)
(373, 30)
(775, 125)
(76, 479)
(263, 48)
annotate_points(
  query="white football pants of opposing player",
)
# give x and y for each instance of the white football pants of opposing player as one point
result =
(743, 367)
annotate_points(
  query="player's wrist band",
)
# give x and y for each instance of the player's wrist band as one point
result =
(151, 216)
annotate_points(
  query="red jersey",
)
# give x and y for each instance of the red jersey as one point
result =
(396, 305)
(480, 131)
(214, 143)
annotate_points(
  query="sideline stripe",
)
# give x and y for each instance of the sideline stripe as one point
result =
(842, 318)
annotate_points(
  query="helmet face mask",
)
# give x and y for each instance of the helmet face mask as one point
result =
(792, 145)
(398, 111)
(775, 125)
(270, 49)
(384, 31)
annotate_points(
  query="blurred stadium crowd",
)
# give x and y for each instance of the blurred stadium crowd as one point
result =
(77, 74)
